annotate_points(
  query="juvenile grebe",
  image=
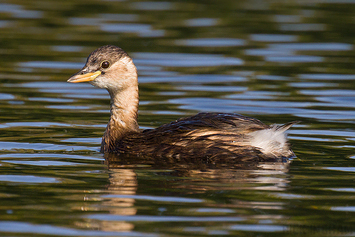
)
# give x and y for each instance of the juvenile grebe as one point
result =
(205, 135)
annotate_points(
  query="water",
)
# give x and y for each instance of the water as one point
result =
(278, 61)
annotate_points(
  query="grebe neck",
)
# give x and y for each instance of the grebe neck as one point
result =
(123, 119)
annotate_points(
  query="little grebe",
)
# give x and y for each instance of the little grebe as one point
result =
(211, 135)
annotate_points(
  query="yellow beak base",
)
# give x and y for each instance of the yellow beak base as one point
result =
(90, 76)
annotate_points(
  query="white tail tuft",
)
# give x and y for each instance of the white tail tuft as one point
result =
(272, 141)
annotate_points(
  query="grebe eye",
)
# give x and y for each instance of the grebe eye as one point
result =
(105, 64)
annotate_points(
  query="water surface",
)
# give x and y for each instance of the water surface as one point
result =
(274, 60)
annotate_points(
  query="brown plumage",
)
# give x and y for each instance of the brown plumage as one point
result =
(208, 136)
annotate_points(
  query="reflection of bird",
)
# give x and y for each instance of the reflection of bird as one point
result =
(208, 135)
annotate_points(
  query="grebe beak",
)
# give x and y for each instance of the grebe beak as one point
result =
(90, 76)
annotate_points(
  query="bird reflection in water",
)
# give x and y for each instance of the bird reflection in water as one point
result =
(126, 173)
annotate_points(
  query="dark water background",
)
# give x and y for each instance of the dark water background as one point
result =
(278, 61)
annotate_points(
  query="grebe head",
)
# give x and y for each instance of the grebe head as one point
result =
(108, 67)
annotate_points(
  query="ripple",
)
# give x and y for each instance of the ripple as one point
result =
(229, 106)
(254, 95)
(84, 21)
(344, 169)
(251, 103)
(287, 18)
(312, 84)
(313, 46)
(146, 218)
(69, 107)
(49, 155)
(273, 37)
(345, 208)
(40, 162)
(18, 11)
(119, 17)
(213, 88)
(199, 78)
(267, 52)
(35, 124)
(324, 133)
(83, 140)
(339, 101)
(342, 189)
(201, 22)
(303, 138)
(272, 77)
(156, 198)
(152, 6)
(4, 23)
(327, 114)
(143, 30)
(50, 65)
(23, 227)
(292, 196)
(186, 60)
(52, 100)
(47, 84)
(77, 90)
(67, 48)
(342, 92)
(211, 42)
(302, 27)
(213, 210)
(4, 96)
(295, 59)
(5, 146)
(264, 228)
(327, 76)
(27, 179)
